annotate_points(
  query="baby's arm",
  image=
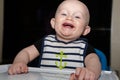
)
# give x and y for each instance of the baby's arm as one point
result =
(22, 59)
(93, 64)
(91, 71)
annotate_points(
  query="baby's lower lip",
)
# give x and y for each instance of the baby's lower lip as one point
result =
(68, 27)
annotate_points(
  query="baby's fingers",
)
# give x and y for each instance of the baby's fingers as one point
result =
(72, 77)
(13, 70)
(24, 69)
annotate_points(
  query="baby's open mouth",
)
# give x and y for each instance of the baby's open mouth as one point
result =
(68, 25)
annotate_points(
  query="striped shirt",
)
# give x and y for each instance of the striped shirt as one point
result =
(61, 55)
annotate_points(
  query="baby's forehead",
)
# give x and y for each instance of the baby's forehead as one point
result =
(72, 4)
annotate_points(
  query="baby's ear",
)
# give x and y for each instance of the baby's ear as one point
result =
(87, 30)
(52, 22)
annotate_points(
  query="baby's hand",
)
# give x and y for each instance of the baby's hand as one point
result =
(17, 68)
(82, 74)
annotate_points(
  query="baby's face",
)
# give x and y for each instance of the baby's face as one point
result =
(70, 20)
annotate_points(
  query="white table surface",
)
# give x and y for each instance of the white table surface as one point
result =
(44, 74)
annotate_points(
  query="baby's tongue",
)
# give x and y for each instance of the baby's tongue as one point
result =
(68, 27)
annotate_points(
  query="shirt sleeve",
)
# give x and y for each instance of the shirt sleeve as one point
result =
(90, 49)
(38, 45)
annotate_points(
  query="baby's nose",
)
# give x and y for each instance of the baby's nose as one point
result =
(69, 17)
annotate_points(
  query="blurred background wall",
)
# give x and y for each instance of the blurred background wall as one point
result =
(1, 28)
(115, 36)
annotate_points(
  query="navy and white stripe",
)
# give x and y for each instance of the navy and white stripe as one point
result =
(73, 50)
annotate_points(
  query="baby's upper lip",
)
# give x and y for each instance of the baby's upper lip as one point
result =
(68, 25)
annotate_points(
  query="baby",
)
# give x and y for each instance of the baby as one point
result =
(66, 46)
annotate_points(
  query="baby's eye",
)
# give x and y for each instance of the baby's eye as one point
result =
(63, 14)
(78, 17)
